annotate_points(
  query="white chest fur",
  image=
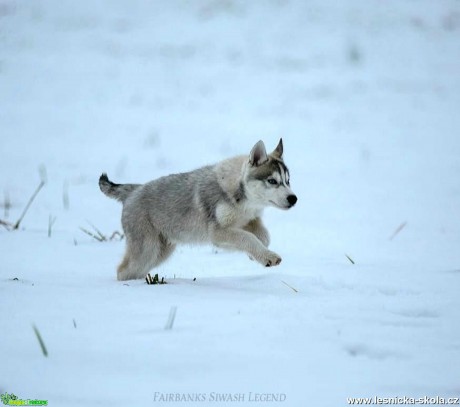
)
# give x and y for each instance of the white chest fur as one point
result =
(236, 216)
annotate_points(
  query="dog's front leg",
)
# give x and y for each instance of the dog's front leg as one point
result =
(238, 239)
(257, 228)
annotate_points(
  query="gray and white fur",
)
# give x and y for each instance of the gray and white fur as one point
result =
(220, 204)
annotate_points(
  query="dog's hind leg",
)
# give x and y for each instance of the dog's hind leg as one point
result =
(142, 254)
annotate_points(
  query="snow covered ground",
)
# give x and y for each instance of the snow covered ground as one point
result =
(366, 95)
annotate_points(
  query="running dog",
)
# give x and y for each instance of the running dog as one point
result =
(219, 204)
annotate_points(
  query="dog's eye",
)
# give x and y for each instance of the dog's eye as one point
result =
(272, 181)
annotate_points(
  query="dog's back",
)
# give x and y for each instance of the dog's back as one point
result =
(183, 206)
(180, 205)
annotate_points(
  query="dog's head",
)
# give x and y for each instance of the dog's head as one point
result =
(267, 178)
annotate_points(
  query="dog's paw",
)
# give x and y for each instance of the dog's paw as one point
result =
(271, 259)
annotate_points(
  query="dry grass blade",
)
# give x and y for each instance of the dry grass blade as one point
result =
(40, 341)
(118, 235)
(292, 288)
(349, 258)
(171, 318)
(65, 195)
(398, 229)
(7, 204)
(7, 225)
(40, 186)
(51, 221)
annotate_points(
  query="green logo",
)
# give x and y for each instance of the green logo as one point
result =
(12, 400)
(7, 397)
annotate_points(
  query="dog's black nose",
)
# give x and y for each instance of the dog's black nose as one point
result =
(292, 199)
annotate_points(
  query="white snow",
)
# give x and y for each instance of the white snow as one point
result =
(366, 95)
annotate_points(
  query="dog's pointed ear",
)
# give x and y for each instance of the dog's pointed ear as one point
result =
(278, 152)
(258, 154)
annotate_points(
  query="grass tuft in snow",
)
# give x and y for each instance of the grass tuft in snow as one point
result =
(154, 280)
(94, 236)
(40, 341)
(99, 236)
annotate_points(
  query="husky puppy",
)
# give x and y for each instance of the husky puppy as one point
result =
(220, 204)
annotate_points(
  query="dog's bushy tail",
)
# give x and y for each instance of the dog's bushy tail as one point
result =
(116, 191)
